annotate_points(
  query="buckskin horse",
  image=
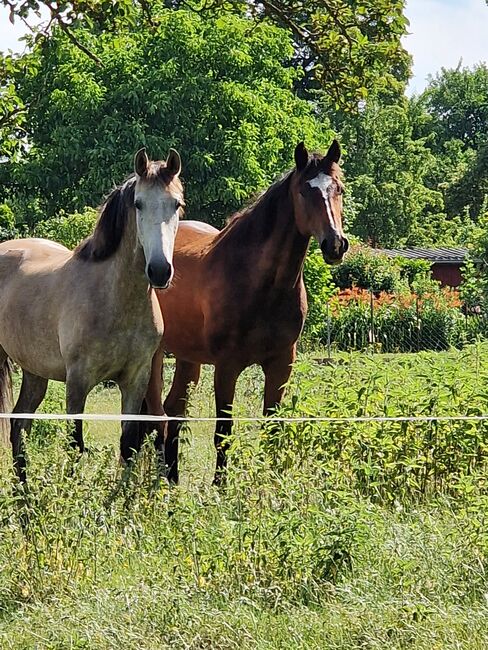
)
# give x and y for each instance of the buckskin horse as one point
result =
(238, 296)
(88, 315)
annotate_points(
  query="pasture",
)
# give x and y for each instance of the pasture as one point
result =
(327, 535)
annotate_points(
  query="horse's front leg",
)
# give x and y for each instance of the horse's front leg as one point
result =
(153, 403)
(225, 379)
(77, 388)
(277, 371)
(133, 391)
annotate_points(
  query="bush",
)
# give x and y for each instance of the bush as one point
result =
(320, 288)
(7, 223)
(67, 229)
(368, 269)
(403, 322)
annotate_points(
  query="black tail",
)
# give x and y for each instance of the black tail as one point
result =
(6, 397)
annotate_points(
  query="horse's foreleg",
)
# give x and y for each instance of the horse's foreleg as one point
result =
(133, 391)
(32, 393)
(186, 373)
(77, 389)
(225, 379)
(153, 402)
(276, 372)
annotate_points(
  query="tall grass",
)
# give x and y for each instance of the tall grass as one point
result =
(320, 538)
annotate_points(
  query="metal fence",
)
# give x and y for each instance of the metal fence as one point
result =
(393, 327)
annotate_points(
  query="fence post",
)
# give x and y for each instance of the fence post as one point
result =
(328, 330)
(419, 323)
(371, 309)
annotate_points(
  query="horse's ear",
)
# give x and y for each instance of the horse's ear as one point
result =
(141, 162)
(301, 156)
(173, 162)
(334, 153)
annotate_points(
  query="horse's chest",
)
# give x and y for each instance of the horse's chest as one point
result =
(259, 327)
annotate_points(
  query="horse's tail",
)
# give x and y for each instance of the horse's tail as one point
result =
(6, 397)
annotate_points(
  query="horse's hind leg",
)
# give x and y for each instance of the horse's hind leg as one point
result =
(186, 373)
(32, 393)
(6, 397)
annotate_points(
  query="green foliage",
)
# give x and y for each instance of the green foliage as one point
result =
(366, 269)
(68, 229)
(320, 288)
(369, 269)
(7, 223)
(455, 118)
(218, 92)
(429, 319)
(282, 556)
(392, 461)
(386, 166)
(346, 49)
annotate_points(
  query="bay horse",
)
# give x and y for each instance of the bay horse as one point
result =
(89, 315)
(238, 296)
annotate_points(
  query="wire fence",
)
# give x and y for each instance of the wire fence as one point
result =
(392, 324)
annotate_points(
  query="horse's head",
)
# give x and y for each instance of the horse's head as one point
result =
(158, 199)
(317, 195)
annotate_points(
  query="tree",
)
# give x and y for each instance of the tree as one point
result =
(386, 167)
(455, 126)
(216, 91)
(347, 48)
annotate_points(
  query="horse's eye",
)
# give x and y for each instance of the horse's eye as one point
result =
(138, 204)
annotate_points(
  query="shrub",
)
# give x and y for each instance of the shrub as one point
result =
(7, 223)
(320, 288)
(403, 322)
(369, 269)
(67, 229)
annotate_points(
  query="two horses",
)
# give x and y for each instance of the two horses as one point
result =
(88, 315)
(238, 296)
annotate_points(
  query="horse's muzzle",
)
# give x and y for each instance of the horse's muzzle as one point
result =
(159, 275)
(334, 249)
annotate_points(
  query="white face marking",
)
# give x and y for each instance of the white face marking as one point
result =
(324, 182)
(157, 222)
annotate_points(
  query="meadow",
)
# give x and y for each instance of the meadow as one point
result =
(327, 535)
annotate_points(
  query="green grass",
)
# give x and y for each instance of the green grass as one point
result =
(326, 536)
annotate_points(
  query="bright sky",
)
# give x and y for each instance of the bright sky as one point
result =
(441, 33)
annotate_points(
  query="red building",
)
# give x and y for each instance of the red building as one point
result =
(446, 263)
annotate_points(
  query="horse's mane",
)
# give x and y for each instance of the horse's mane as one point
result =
(259, 209)
(262, 207)
(110, 227)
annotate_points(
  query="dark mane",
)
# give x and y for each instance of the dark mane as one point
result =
(109, 229)
(262, 209)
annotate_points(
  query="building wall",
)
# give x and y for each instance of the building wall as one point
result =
(447, 274)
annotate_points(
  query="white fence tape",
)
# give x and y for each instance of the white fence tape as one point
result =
(117, 417)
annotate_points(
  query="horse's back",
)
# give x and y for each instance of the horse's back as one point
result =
(194, 232)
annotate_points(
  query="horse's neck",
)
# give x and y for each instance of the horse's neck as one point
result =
(128, 265)
(273, 247)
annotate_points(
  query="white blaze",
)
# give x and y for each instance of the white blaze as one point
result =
(324, 182)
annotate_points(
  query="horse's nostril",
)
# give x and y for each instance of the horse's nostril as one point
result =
(345, 245)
